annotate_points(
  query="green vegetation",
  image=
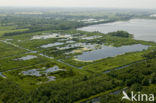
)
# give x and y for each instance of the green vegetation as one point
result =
(121, 34)
(14, 62)
(38, 64)
(10, 29)
(9, 51)
(111, 63)
(138, 77)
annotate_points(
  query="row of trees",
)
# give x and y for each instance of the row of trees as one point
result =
(123, 34)
(135, 77)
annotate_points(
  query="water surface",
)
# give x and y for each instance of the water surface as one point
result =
(32, 72)
(28, 57)
(52, 69)
(143, 29)
(107, 51)
(51, 45)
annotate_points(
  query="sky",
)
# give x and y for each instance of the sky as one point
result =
(148, 4)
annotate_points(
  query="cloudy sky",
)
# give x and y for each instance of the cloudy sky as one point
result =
(82, 3)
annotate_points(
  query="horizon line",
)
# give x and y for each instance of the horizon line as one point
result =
(73, 7)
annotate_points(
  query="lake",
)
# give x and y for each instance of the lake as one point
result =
(51, 45)
(143, 29)
(107, 51)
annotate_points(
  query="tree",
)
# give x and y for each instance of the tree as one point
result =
(145, 81)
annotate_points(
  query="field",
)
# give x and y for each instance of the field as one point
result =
(39, 58)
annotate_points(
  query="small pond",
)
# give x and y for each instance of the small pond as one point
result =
(38, 72)
(28, 57)
(32, 72)
(53, 35)
(52, 69)
(51, 45)
(51, 78)
(47, 36)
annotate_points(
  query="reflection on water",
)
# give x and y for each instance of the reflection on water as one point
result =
(53, 35)
(143, 29)
(1, 75)
(51, 78)
(51, 45)
(38, 72)
(106, 51)
(70, 41)
(52, 69)
(91, 20)
(80, 46)
(28, 57)
(35, 72)
(153, 15)
(32, 72)
(69, 46)
(91, 37)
